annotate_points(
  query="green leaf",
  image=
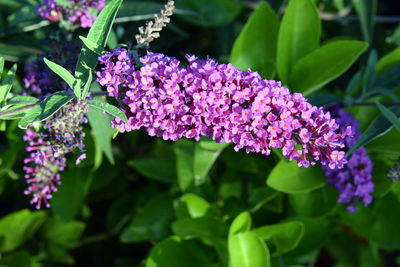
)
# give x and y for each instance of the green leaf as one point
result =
(210, 13)
(184, 151)
(112, 110)
(366, 10)
(389, 78)
(248, 250)
(205, 155)
(378, 127)
(165, 171)
(255, 47)
(152, 222)
(289, 178)
(98, 34)
(317, 203)
(299, 34)
(92, 46)
(17, 227)
(353, 84)
(241, 224)
(388, 60)
(65, 75)
(22, 100)
(86, 88)
(176, 252)
(192, 206)
(370, 76)
(6, 84)
(393, 118)
(102, 131)
(68, 201)
(1, 65)
(324, 64)
(282, 237)
(61, 233)
(206, 227)
(46, 108)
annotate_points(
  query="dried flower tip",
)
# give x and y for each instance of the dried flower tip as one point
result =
(150, 32)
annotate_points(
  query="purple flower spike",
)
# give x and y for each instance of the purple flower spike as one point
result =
(222, 102)
(354, 181)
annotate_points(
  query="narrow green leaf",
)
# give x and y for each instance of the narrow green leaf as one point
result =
(324, 64)
(378, 127)
(388, 60)
(389, 115)
(46, 108)
(353, 84)
(98, 34)
(289, 178)
(366, 10)
(389, 78)
(65, 75)
(299, 34)
(1, 65)
(112, 110)
(255, 47)
(92, 46)
(86, 88)
(283, 237)
(18, 100)
(370, 76)
(6, 84)
(248, 250)
(241, 224)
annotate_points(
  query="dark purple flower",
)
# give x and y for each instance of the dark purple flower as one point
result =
(223, 102)
(354, 181)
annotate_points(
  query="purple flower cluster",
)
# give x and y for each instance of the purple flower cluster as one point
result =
(62, 134)
(354, 181)
(39, 80)
(79, 12)
(222, 102)
(41, 168)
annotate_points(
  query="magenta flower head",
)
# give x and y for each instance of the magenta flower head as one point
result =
(354, 181)
(205, 98)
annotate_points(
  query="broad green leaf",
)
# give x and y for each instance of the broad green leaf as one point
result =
(205, 227)
(164, 171)
(184, 151)
(205, 155)
(67, 202)
(20, 258)
(388, 60)
(151, 223)
(255, 47)
(102, 131)
(112, 110)
(366, 10)
(369, 75)
(210, 13)
(324, 64)
(291, 179)
(299, 34)
(241, 224)
(393, 118)
(17, 227)
(192, 206)
(98, 34)
(176, 252)
(92, 46)
(248, 250)
(6, 84)
(378, 127)
(281, 237)
(65, 75)
(46, 108)
(64, 234)
(317, 203)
